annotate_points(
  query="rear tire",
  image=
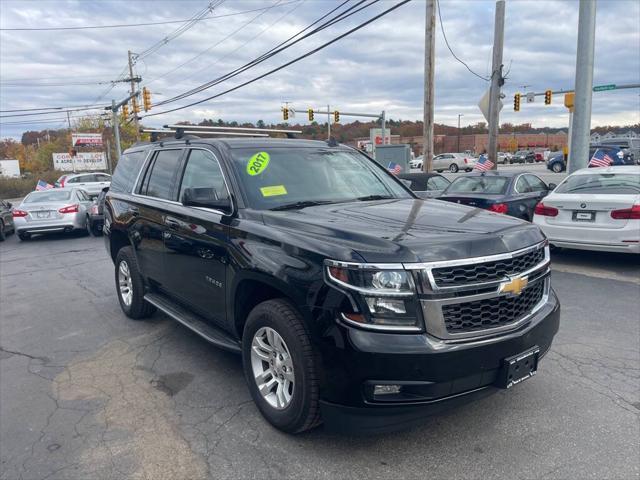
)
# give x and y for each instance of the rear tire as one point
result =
(24, 236)
(130, 286)
(294, 406)
(3, 235)
(556, 167)
(453, 168)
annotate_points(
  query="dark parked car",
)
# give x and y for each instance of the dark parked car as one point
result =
(523, 156)
(6, 219)
(425, 185)
(620, 157)
(628, 145)
(351, 301)
(512, 193)
(95, 212)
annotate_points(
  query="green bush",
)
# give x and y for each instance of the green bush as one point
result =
(19, 187)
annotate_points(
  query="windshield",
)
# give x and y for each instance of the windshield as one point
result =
(48, 196)
(609, 183)
(488, 185)
(281, 177)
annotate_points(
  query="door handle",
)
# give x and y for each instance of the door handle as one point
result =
(173, 224)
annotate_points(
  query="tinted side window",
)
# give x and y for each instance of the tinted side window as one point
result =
(101, 177)
(536, 184)
(162, 174)
(522, 186)
(87, 178)
(73, 180)
(203, 171)
(127, 171)
(436, 183)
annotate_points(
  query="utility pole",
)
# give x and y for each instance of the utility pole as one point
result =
(429, 63)
(383, 127)
(133, 89)
(116, 128)
(69, 120)
(328, 122)
(581, 125)
(496, 82)
(459, 115)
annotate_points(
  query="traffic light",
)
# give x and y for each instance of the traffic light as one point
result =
(516, 102)
(136, 107)
(547, 97)
(146, 99)
(336, 116)
(285, 113)
(125, 112)
(310, 112)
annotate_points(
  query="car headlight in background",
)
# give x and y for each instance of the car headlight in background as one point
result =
(386, 294)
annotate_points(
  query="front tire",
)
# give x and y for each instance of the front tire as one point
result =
(453, 168)
(3, 235)
(556, 167)
(130, 286)
(280, 367)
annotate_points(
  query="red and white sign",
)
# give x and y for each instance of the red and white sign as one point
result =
(82, 139)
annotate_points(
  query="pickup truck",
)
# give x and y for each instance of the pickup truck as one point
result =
(350, 300)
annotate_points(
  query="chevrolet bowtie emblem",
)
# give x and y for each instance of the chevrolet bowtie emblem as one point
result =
(514, 286)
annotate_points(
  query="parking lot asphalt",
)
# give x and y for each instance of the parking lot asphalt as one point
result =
(86, 393)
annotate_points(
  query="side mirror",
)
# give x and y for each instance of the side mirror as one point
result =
(552, 186)
(205, 197)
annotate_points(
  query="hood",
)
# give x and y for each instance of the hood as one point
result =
(407, 230)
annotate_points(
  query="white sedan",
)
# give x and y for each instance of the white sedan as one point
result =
(594, 209)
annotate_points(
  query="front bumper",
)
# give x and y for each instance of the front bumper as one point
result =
(435, 374)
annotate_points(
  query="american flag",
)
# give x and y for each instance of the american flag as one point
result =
(394, 168)
(42, 185)
(483, 164)
(600, 159)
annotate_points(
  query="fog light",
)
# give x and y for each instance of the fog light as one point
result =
(385, 305)
(386, 389)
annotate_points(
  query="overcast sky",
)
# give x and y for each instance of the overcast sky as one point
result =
(378, 67)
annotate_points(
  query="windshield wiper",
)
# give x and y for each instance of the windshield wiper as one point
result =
(303, 204)
(374, 197)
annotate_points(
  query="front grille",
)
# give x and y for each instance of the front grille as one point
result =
(462, 275)
(491, 312)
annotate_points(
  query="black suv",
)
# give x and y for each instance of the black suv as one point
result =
(352, 301)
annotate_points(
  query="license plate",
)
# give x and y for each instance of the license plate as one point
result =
(42, 214)
(584, 216)
(519, 368)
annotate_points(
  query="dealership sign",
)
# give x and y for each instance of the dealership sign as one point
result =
(83, 161)
(86, 139)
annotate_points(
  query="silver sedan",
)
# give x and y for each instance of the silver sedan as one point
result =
(46, 211)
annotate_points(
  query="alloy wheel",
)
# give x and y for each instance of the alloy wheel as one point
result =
(272, 368)
(125, 283)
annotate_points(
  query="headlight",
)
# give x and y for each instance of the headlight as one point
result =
(384, 293)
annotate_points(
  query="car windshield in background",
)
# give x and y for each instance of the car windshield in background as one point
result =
(296, 177)
(48, 196)
(481, 184)
(609, 183)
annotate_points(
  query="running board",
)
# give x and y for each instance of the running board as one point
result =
(193, 322)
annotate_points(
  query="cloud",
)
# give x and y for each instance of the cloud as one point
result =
(379, 67)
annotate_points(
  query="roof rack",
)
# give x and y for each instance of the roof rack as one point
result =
(199, 132)
(248, 131)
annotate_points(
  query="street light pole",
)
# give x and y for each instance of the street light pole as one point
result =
(581, 125)
(496, 82)
(459, 115)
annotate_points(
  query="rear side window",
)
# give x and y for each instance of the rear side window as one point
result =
(159, 181)
(127, 171)
(482, 184)
(203, 171)
(101, 177)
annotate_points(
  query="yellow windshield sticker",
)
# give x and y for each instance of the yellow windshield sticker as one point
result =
(273, 191)
(258, 163)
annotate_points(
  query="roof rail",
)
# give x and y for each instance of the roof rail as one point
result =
(231, 129)
(199, 132)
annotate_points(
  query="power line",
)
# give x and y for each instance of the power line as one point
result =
(288, 43)
(295, 60)
(449, 47)
(180, 30)
(46, 108)
(125, 25)
(220, 41)
(96, 107)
